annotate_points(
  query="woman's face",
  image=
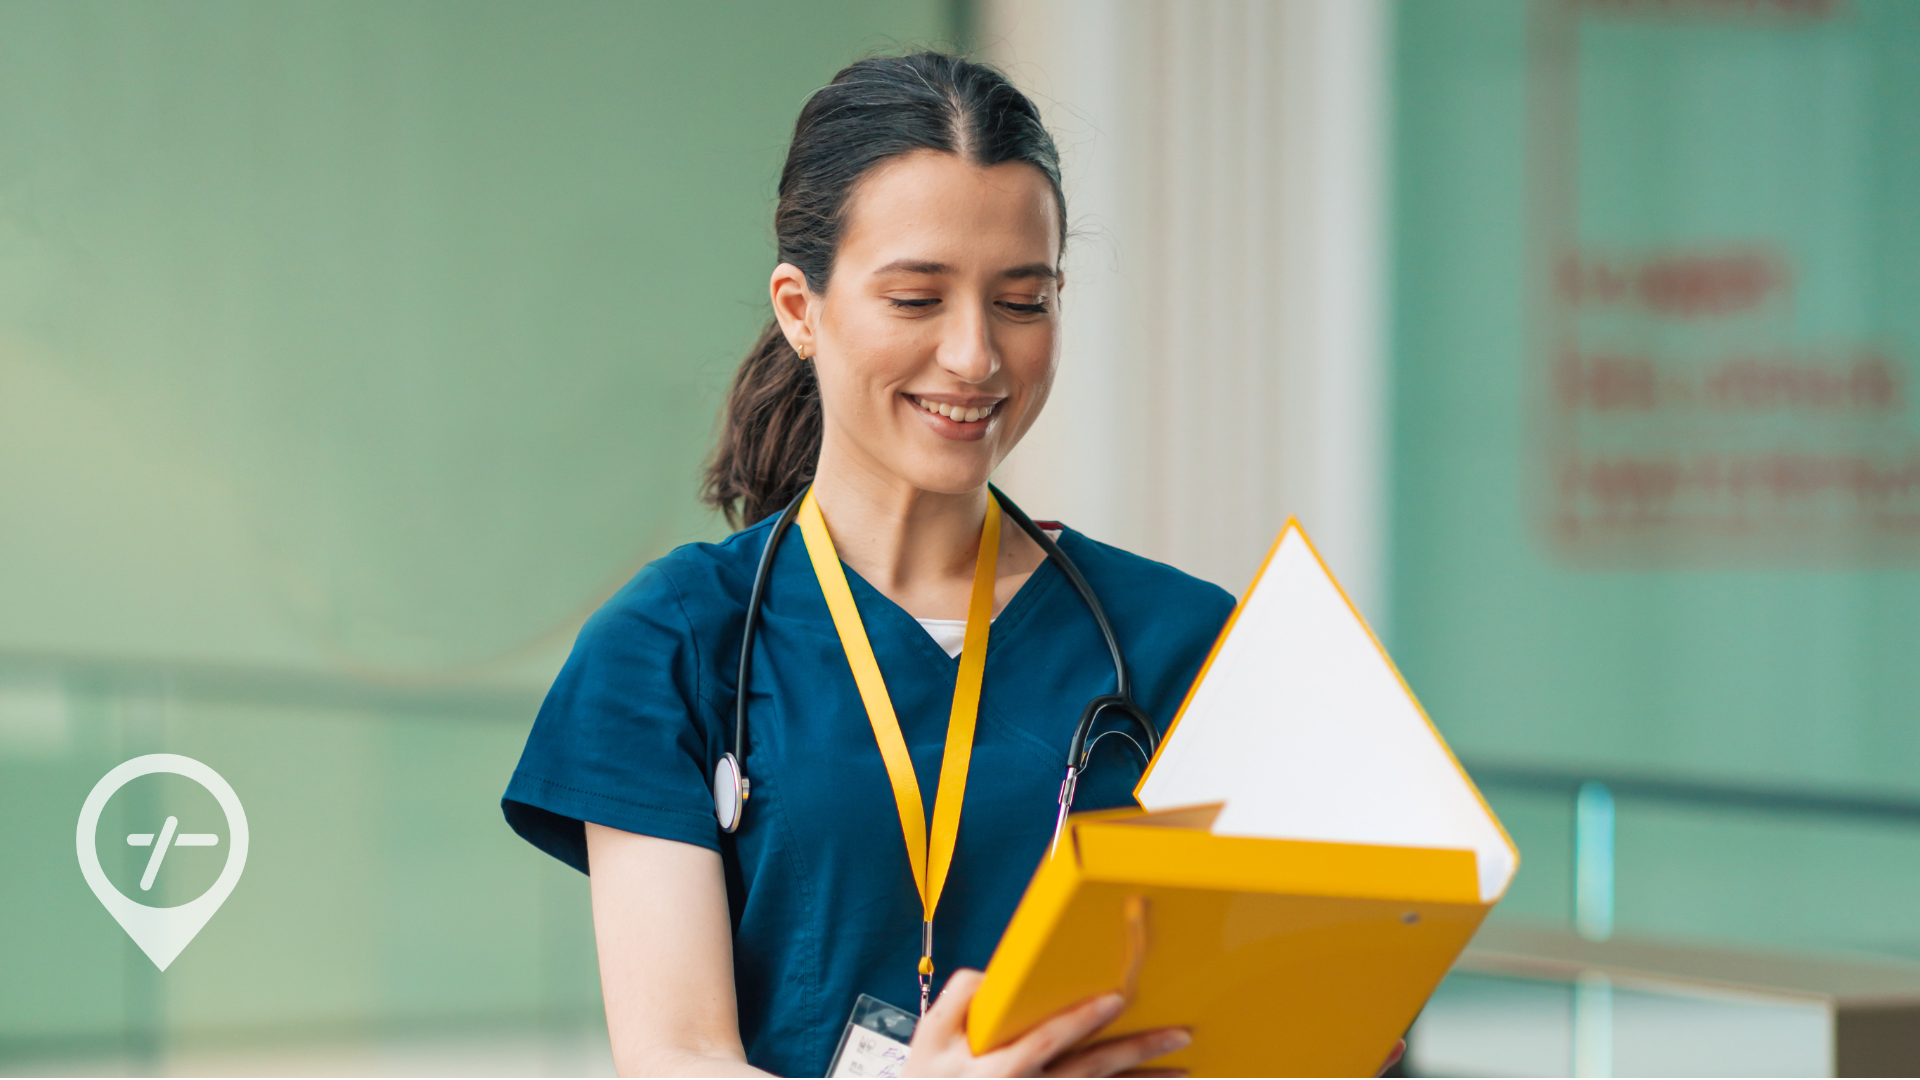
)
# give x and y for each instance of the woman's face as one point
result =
(935, 341)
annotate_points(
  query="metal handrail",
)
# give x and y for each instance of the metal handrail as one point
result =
(1765, 798)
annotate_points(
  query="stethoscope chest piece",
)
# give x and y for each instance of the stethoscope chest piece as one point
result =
(729, 792)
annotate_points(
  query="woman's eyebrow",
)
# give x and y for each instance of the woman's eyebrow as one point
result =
(914, 266)
(923, 266)
(1030, 271)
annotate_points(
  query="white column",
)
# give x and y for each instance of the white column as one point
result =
(1223, 362)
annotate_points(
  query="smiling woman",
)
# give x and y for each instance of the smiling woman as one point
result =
(933, 357)
(913, 342)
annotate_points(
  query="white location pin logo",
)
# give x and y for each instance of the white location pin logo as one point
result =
(162, 932)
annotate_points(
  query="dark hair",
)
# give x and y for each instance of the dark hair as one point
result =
(874, 110)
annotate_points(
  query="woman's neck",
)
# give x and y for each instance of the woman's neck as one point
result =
(917, 547)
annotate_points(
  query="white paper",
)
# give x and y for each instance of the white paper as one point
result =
(1303, 728)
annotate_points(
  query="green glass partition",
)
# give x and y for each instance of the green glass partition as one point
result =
(1655, 491)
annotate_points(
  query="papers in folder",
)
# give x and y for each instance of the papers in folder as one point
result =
(1310, 860)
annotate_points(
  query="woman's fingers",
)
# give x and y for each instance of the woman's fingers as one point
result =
(1033, 1051)
(1116, 1056)
(939, 1046)
(948, 1014)
(942, 1035)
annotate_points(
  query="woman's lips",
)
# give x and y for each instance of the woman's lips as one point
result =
(950, 421)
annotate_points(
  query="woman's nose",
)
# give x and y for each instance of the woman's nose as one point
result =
(967, 349)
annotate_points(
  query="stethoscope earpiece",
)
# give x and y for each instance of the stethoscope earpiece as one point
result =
(1080, 750)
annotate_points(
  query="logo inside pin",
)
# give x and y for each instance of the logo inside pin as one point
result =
(162, 932)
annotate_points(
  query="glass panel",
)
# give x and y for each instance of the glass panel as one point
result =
(1639, 242)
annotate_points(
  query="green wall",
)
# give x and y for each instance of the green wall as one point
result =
(1741, 658)
(350, 353)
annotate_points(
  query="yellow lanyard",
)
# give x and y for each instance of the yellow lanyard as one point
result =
(930, 862)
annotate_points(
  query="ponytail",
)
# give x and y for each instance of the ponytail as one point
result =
(771, 442)
(872, 111)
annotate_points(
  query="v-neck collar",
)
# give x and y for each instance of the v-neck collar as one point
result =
(1044, 579)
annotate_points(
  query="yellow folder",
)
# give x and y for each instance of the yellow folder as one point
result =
(1310, 860)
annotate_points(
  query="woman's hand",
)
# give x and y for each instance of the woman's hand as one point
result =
(940, 1042)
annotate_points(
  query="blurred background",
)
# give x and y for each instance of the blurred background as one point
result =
(351, 353)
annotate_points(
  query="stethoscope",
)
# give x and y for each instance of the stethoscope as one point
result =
(730, 786)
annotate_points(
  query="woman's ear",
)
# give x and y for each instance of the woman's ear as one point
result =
(793, 306)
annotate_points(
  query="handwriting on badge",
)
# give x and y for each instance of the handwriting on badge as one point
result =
(869, 1053)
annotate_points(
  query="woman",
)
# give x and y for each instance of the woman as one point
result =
(916, 305)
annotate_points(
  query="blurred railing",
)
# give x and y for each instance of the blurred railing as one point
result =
(1592, 794)
(1531, 1000)
(1764, 798)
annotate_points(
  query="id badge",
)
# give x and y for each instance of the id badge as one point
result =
(875, 1042)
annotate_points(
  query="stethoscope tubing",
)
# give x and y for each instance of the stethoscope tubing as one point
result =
(759, 593)
(1123, 686)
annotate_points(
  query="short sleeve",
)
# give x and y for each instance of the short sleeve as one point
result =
(621, 738)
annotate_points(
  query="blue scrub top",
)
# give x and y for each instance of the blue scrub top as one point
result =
(823, 900)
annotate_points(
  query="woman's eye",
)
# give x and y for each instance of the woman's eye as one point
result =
(917, 302)
(1026, 309)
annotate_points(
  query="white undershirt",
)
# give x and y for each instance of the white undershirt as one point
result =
(951, 634)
